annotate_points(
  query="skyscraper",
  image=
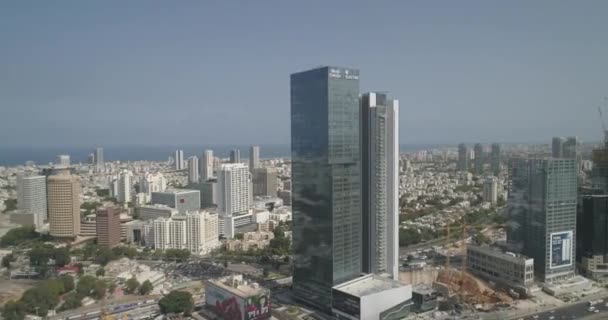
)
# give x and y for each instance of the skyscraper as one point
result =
(592, 235)
(545, 212)
(264, 181)
(108, 227)
(193, 176)
(234, 188)
(557, 147)
(152, 182)
(254, 158)
(495, 159)
(235, 156)
(572, 148)
(380, 184)
(490, 190)
(179, 159)
(99, 161)
(326, 181)
(31, 198)
(64, 204)
(479, 158)
(463, 157)
(121, 186)
(63, 160)
(206, 165)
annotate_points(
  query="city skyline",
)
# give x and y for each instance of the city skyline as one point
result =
(507, 52)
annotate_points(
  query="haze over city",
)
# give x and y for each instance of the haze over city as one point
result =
(152, 73)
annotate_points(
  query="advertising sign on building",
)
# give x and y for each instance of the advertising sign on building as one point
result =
(560, 254)
(257, 307)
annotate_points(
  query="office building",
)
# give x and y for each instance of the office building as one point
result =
(62, 160)
(479, 158)
(235, 156)
(183, 200)
(254, 158)
(206, 165)
(234, 188)
(32, 198)
(234, 298)
(108, 227)
(512, 270)
(265, 181)
(326, 181)
(371, 297)
(542, 206)
(63, 190)
(178, 159)
(202, 232)
(599, 175)
(153, 212)
(140, 232)
(592, 236)
(120, 188)
(463, 157)
(572, 148)
(152, 182)
(557, 147)
(495, 159)
(193, 176)
(490, 190)
(99, 160)
(209, 193)
(380, 184)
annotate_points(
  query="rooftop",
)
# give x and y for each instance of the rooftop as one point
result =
(237, 286)
(367, 285)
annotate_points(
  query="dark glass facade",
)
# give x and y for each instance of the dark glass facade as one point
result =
(326, 181)
(592, 225)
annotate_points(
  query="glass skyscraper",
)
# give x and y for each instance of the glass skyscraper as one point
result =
(326, 181)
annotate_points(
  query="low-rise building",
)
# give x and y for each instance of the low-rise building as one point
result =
(153, 212)
(234, 298)
(512, 270)
(251, 240)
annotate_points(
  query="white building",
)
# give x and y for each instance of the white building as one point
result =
(31, 198)
(177, 232)
(206, 165)
(153, 212)
(179, 159)
(161, 233)
(196, 231)
(234, 188)
(193, 176)
(120, 187)
(254, 157)
(490, 190)
(380, 180)
(152, 182)
(63, 160)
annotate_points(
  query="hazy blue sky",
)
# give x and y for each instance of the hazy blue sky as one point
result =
(214, 72)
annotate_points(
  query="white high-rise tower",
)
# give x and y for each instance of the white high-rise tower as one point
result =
(31, 198)
(206, 165)
(234, 188)
(193, 176)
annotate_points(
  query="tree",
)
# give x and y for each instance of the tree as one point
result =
(100, 272)
(132, 285)
(112, 288)
(14, 310)
(71, 301)
(480, 238)
(10, 204)
(146, 288)
(104, 255)
(68, 282)
(99, 290)
(239, 236)
(176, 302)
(6, 261)
(18, 235)
(61, 256)
(177, 255)
(85, 286)
(280, 246)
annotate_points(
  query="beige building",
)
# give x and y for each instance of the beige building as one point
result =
(64, 204)
(513, 270)
(251, 240)
(108, 227)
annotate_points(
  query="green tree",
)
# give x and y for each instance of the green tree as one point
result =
(99, 290)
(39, 300)
(14, 310)
(40, 255)
(10, 204)
(146, 288)
(61, 256)
(176, 302)
(409, 237)
(68, 282)
(100, 272)
(18, 235)
(85, 286)
(132, 285)
(177, 255)
(239, 236)
(112, 288)
(104, 255)
(71, 301)
(280, 246)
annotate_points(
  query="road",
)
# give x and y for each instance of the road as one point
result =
(575, 311)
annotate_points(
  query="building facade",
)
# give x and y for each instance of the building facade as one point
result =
(108, 227)
(179, 159)
(592, 236)
(490, 190)
(152, 182)
(32, 198)
(193, 174)
(63, 160)
(495, 159)
(479, 158)
(183, 200)
(254, 158)
(265, 181)
(234, 188)
(326, 181)
(463, 157)
(509, 269)
(380, 184)
(206, 165)
(195, 231)
(64, 190)
(99, 160)
(235, 156)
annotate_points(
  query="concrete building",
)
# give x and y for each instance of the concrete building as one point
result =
(542, 208)
(193, 176)
(326, 181)
(64, 204)
(380, 184)
(228, 223)
(120, 188)
(371, 297)
(153, 212)
(108, 227)
(235, 156)
(264, 181)
(206, 165)
(152, 182)
(32, 198)
(479, 158)
(495, 159)
(140, 233)
(557, 147)
(463, 157)
(234, 189)
(179, 159)
(251, 241)
(490, 190)
(99, 160)
(202, 232)
(509, 269)
(285, 195)
(183, 200)
(63, 160)
(572, 148)
(88, 226)
(233, 297)
(209, 193)
(254, 158)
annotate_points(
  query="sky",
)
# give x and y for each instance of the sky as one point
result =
(80, 73)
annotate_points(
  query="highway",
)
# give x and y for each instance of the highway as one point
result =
(575, 311)
(137, 310)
